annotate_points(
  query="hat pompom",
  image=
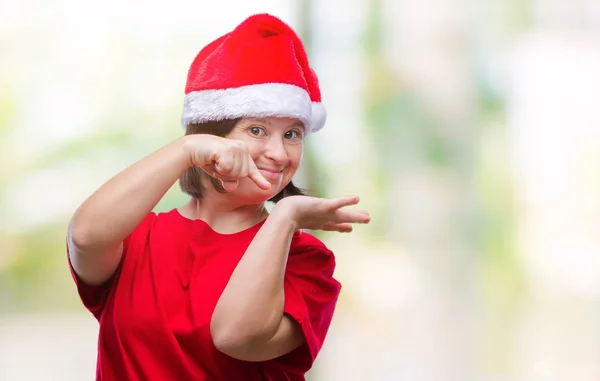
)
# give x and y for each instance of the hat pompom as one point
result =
(319, 116)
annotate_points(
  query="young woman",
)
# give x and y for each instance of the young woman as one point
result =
(218, 289)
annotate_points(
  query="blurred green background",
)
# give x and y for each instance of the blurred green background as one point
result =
(471, 131)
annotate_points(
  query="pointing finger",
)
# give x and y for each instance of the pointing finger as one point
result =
(255, 175)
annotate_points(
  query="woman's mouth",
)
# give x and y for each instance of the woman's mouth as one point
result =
(271, 175)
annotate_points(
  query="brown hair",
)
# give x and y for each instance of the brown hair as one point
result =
(190, 181)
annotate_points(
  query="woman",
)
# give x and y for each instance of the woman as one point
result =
(218, 289)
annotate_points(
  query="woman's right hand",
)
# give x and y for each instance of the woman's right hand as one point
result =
(225, 159)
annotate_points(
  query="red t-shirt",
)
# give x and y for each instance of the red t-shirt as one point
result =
(155, 312)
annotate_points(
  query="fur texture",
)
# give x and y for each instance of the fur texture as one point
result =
(269, 99)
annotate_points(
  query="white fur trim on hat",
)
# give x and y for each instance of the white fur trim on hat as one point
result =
(268, 99)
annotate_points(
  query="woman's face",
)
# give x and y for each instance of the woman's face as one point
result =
(276, 146)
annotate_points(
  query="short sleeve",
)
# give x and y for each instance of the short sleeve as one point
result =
(311, 295)
(94, 297)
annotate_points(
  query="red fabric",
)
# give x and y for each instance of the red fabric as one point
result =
(262, 49)
(155, 312)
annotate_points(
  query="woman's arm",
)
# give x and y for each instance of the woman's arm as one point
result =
(250, 310)
(248, 322)
(100, 224)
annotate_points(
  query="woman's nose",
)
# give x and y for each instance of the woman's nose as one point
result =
(276, 150)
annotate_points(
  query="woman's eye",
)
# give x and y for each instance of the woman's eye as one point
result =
(257, 131)
(293, 134)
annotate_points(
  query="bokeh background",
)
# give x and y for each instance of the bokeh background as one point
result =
(470, 129)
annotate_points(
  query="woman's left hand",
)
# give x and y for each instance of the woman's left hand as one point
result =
(330, 214)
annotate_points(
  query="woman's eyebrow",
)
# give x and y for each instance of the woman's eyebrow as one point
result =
(259, 120)
(297, 124)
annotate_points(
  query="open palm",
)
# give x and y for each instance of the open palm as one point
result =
(329, 214)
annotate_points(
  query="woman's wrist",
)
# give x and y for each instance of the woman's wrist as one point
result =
(285, 213)
(188, 148)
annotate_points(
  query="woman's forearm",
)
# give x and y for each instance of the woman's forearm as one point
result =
(118, 206)
(251, 306)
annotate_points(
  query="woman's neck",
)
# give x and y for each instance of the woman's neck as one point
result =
(222, 215)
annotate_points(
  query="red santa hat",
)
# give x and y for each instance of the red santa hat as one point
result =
(259, 69)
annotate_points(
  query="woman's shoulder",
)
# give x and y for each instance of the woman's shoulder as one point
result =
(311, 261)
(304, 242)
(168, 218)
(158, 222)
